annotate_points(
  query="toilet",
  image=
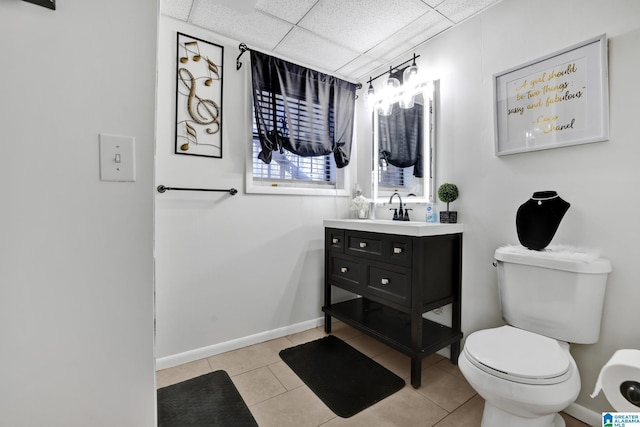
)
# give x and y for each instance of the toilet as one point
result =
(524, 370)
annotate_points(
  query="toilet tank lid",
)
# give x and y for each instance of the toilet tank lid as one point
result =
(559, 257)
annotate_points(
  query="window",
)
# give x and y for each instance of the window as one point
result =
(302, 129)
(286, 167)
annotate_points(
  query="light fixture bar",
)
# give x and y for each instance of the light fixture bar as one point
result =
(397, 68)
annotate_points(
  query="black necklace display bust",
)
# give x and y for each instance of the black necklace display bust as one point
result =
(538, 218)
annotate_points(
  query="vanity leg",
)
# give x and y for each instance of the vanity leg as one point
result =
(327, 304)
(416, 372)
(456, 307)
(327, 324)
(416, 346)
(455, 352)
(455, 324)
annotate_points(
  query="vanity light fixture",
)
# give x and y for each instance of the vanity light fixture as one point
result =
(371, 91)
(371, 95)
(410, 72)
(391, 82)
(406, 99)
(389, 89)
(393, 91)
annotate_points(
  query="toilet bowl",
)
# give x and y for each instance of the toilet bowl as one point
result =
(548, 299)
(525, 378)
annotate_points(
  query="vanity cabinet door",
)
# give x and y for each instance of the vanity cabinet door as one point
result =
(399, 250)
(390, 283)
(335, 240)
(346, 271)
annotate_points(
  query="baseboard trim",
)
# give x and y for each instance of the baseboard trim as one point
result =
(585, 415)
(212, 350)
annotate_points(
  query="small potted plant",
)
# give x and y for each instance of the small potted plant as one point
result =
(447, 193)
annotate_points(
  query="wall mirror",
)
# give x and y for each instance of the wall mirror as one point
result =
(404, 145)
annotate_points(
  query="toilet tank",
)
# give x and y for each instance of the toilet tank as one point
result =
(557, 292)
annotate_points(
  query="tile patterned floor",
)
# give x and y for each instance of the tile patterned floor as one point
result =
(278, 398)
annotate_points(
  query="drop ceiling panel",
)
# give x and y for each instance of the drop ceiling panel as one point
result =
(313, 50)
(432, 27)
(178, 9)
(290, 10)
(360, 25)
(360, 66)
(458, 10)
(242, 6)
(255, 29)
(420, 30)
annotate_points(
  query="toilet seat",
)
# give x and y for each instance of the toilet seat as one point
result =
(518, 355)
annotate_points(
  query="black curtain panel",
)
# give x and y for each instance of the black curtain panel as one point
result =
(300, 110)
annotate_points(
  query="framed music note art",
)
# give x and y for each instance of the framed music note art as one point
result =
(198, 97)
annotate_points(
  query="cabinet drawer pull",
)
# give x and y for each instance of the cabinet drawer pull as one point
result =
(384, 281)
(363, 244)
(335, 240)
(343, 269)
(397, 250)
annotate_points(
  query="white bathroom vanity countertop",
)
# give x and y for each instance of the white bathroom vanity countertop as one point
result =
(408, 228)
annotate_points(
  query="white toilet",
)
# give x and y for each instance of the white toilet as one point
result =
(524, 370)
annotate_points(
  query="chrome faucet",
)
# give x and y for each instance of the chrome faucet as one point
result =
(399, 214)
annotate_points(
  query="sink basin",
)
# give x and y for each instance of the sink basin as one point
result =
(405, 228)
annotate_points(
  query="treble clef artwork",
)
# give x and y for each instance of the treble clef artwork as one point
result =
(199, 97)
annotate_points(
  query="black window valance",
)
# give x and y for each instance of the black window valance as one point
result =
(304, 111)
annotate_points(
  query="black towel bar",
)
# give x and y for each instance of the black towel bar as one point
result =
(162, 189)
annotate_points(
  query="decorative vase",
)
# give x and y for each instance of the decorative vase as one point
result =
(363, 213)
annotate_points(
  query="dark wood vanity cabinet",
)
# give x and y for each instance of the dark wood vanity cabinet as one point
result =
(395, 279)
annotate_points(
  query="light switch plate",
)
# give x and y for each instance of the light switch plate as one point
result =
(117, 158)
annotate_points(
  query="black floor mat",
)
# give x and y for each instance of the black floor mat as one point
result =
(206, 401)
(346, 380)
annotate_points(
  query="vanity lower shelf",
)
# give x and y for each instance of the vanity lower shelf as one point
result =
(392, 327)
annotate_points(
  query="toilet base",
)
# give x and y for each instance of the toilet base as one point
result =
(493, 416)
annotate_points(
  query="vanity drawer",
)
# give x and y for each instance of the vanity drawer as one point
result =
(368, 245)
(400, 250)
(334, 240)
(346, 270)
(393, 284)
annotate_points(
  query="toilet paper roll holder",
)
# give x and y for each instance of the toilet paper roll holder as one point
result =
(630, 390)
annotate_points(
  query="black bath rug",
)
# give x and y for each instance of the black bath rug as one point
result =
(210, 400)
(346, 380)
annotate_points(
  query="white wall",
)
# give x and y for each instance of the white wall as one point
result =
(598, 179)
(76, 260)
(232, 267)
(228, 267)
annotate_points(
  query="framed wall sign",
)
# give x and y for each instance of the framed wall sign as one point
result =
(198, 97)
(558, 100)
